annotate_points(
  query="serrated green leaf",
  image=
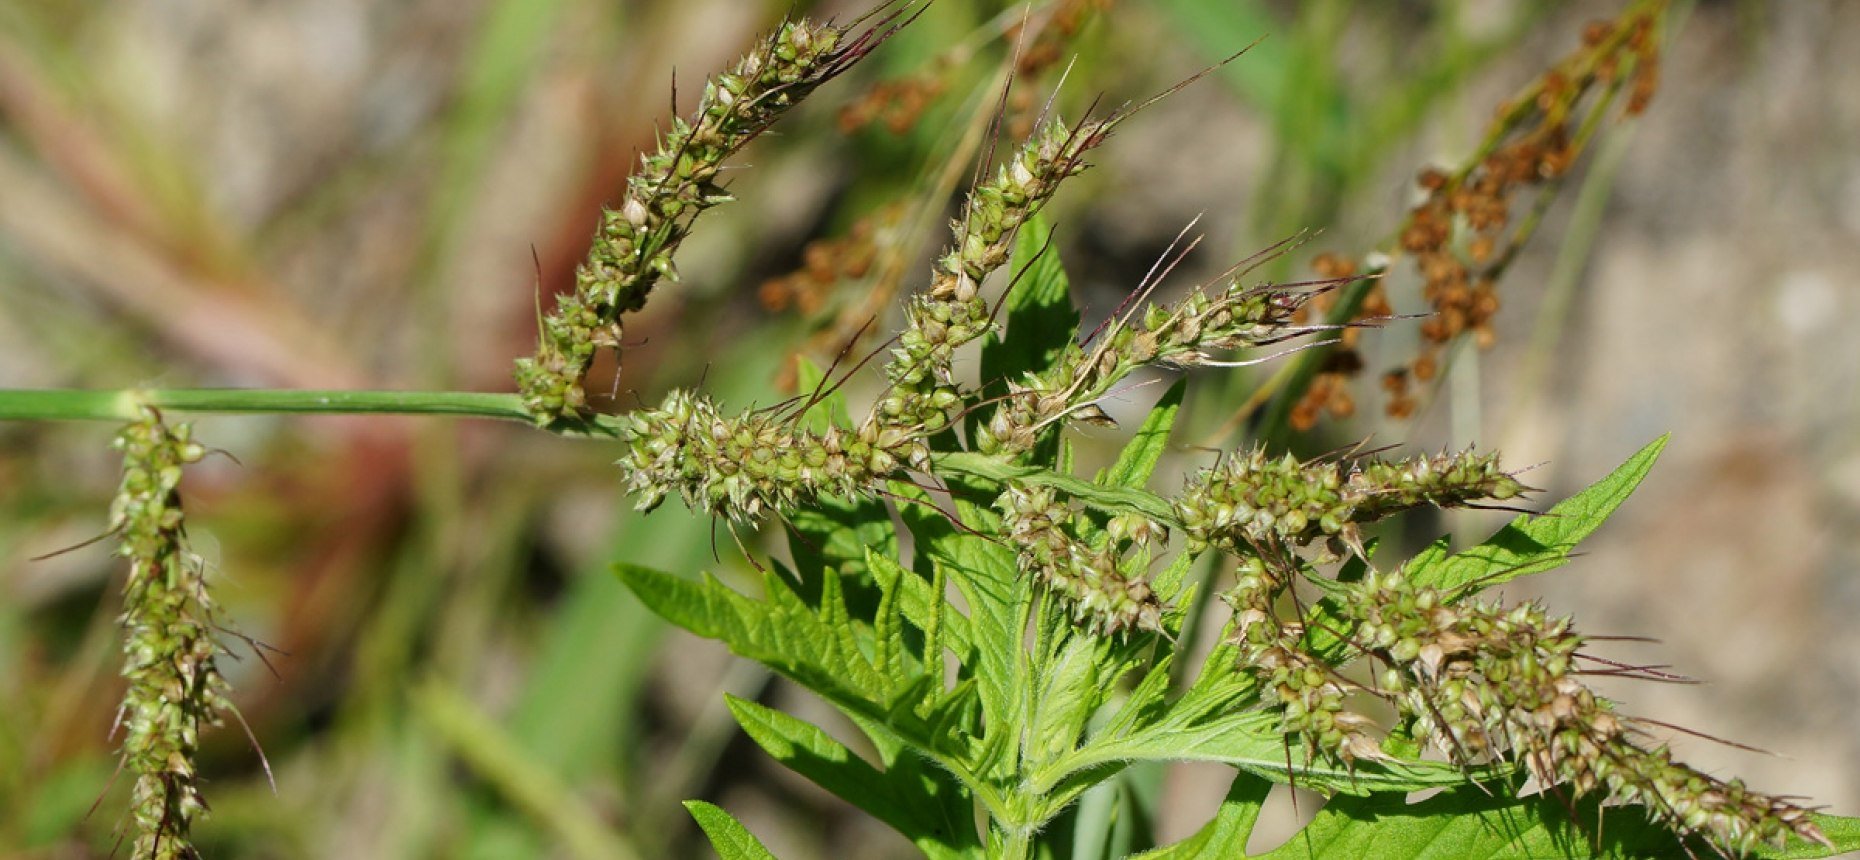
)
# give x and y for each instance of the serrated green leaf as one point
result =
(1469, 824)
(1071, 684)
(729, 837)
(986, 575)
(930, 812)
(1040, 319)
(1224, 835)
(915, 599)
(1535, 543)
(1173, 589)
(832, 536)
(1145, 699)
(1249, 740)
(1138, 460)
(788, 637)
(888, 624)
(780, 632)
(1841, 830)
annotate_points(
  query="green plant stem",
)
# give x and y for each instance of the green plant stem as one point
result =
(1114, 500)
(120, 405)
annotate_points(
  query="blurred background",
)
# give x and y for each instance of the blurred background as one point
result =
(343, 193)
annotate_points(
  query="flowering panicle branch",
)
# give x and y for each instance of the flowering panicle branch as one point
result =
(1090, 577)
(1472, 221)
(633, 249)
(755, 463)
(175, 688)
(1308, 691)
(1481, 680)
(952, 311)
(1180, 335)
(1249, 502)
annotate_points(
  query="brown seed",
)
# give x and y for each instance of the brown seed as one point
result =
(1341, 405)
(1481, 248)
(1304, 416)
(1425, 366)
(1333, 265)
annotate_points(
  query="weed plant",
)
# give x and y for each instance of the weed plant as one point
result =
(1012, 638)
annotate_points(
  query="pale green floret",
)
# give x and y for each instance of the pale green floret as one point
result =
(174, 684)
(632, 250)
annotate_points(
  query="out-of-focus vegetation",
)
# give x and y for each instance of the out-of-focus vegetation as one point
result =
(351, 194)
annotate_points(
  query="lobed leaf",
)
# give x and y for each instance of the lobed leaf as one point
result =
(817, 650)
(999, 599)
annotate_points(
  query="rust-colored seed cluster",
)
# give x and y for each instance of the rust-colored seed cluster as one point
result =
(825, 263)
(1049, 46)
(1467, 229)
(1329, 391)
(898, 103)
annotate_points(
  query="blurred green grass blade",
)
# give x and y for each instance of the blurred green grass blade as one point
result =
(579, 706)
(58, 804)
(1218, 28)
(507, 768)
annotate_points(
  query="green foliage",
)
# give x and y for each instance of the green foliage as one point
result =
(1018, 657)
(732, 840)
(1039, 711)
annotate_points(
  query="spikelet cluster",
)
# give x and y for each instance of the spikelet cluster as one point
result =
(1091, 578)
(175, 688)
(952, 312)
(1482, 680)
(748, 465)
(1252, 500)
(632, 251)
(1184, 334)
(1308, 692)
